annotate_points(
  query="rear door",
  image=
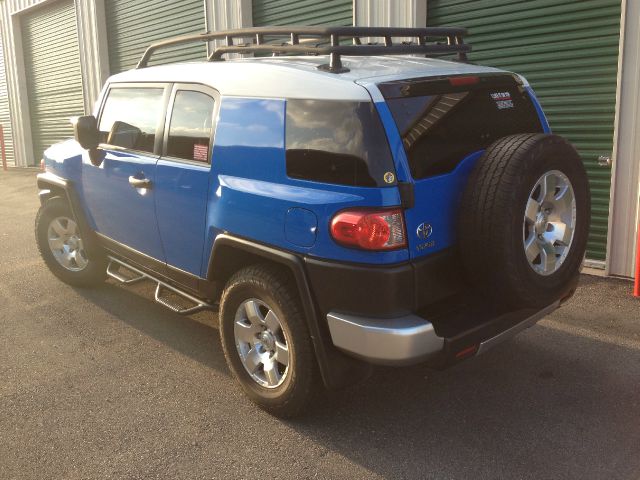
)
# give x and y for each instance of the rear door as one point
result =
(182, 177)
(120, 193)
(444, 125)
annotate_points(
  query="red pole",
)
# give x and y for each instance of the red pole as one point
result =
(636, 289)
(2, 148)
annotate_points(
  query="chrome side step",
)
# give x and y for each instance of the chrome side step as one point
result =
(113, 270)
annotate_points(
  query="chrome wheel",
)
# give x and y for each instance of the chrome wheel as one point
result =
(549, 222)
(66, 245)
(261, 343)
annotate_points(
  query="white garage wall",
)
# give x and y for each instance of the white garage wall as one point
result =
(625, 208)
(90, 24)
(94, 60)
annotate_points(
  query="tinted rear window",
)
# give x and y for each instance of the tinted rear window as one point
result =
(441, 124)
(337, 142)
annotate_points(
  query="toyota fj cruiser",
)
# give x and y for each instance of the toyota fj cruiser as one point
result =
(343, 203)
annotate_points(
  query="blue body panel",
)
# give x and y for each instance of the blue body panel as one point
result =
(538, 107)
(250, 193)
(119, 211)
(111, 206)
(181, 191)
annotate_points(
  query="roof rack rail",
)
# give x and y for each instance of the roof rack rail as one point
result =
(326, 41)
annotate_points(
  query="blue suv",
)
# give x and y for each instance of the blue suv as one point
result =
(341, 203)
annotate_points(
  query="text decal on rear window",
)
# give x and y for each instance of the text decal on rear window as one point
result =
(503, 100)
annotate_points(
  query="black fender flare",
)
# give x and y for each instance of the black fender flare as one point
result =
(337, 369)
(51, 185)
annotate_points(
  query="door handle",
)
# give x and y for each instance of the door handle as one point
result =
(139, 182)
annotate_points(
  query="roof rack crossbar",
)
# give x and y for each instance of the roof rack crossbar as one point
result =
(326, 41)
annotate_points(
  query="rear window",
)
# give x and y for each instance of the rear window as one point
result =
(441, 123)
(337, 142)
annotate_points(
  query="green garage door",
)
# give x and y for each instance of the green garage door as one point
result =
(5, 119)
(569, 52)
(134, 24)
(54, 79)
(302, 12)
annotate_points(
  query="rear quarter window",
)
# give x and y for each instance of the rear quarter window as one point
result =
(337, 142)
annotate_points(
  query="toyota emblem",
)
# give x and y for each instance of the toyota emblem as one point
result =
(424, 231)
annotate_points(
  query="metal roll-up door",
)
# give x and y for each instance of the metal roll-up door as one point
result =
(5, 118)
(54, 78)
(134, 24)
(302, 12)
(569, 53)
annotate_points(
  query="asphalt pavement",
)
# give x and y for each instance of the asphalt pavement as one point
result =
(105, 383)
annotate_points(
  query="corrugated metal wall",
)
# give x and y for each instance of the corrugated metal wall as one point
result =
(302, 12)
(133, 24)
(5, 116)
(569, 52)
(54, 79)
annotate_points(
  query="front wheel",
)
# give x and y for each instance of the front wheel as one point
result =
(63, 248)
(265, 340)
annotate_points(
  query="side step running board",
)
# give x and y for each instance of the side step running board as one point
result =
(113, 270)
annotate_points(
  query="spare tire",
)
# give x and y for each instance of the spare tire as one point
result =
(524, 219)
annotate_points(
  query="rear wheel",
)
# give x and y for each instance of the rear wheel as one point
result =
(62, 246)
(265, 340)
(525, 219)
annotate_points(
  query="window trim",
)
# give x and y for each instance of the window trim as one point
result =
(157, 145)
(190, 87)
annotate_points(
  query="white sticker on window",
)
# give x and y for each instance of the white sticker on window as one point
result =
(503, 100)
(200, 152)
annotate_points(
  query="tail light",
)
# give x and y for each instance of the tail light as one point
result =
(369, 229)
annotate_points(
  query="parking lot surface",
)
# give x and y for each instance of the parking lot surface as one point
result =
(105, 384)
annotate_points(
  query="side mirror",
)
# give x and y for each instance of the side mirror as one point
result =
(86, 132)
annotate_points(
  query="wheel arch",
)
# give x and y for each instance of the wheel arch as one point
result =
(230, 254)
(51, 186)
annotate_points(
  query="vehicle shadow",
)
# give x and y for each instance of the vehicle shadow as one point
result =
(548, 404)
(195, 336)
(545, 405)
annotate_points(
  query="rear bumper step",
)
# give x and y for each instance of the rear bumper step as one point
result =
(412, 339)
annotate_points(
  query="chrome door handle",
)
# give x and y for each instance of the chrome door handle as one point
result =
(139, 182)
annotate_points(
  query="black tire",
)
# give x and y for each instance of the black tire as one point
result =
(92, 274)
(492, 210)
(276, 290)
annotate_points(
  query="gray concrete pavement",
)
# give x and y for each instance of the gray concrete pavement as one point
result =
(106, 384)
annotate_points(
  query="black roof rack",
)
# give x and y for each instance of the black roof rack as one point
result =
(327, 41)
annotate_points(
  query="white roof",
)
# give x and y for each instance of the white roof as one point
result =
(298, 77)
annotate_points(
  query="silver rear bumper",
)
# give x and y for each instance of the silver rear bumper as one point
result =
(406, 340)
(397, 341)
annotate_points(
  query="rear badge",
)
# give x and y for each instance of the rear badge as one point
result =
(424, 231)
(389, 177)
(503, 100)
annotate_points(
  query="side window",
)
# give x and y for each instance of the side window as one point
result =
(337, 142)
(130, 118)
(190, 126)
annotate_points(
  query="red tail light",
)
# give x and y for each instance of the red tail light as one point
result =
(369, 229)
